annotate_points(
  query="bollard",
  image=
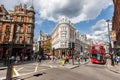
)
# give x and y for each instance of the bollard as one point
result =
(9, 75)
(63, 62)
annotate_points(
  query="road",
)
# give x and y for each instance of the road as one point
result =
(84, 72)
(24, 69)
(35, 71)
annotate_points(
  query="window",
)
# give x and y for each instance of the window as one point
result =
(18, 18)
(0, 17)
(22, 19)
(63, 44)
(17, 40)
(29, 29)
(30, 20)
(25, 19)
(28, 40)
(63, 28)
(20, 40)
(18, 29)
(21, 29)
(63, 35)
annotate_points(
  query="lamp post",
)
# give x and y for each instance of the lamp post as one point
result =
(10, 60)
(110, 47)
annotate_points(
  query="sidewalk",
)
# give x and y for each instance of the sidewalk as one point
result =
(2, 67)
(115, 68)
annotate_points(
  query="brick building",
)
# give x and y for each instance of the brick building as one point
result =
(45, 42)
(17, 27)
(116, 21)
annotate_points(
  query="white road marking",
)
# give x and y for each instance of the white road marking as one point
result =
(36, 67)
(20, 68)
(25, 74)
(16, 72)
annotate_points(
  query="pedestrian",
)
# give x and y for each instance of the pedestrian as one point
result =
(67, 59)
(38, 58)
(17, 59)
(116, 59)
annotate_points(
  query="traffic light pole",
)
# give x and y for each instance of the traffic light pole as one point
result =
(71, 48)
(72, 56)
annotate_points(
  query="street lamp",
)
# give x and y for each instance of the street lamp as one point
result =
(10, 60)
(110, 47)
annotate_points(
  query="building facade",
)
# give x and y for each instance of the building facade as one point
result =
(17, 29)
(63, 33)
(116, 22)
(45, 43)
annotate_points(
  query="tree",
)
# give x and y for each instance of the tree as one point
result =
(47, 47)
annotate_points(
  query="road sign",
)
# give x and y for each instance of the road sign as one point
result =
(113, 35)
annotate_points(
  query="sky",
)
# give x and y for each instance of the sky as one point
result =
(88, 16)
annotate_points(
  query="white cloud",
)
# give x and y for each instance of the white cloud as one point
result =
(76, 10)
(10, 4)
(100, 31)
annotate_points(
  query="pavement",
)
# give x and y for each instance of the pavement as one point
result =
(2, 67)
(115, 68)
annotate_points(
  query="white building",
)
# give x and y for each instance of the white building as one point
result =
(63, 33)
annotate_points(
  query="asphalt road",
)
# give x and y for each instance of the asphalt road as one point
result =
(24, 69)
(84, 72)
(34, 71)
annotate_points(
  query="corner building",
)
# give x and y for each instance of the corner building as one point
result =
(63, 33)
(16, 26)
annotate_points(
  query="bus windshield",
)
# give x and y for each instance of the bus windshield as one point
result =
(97, 56)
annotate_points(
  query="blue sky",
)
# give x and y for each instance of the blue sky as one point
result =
(85, 26)
(88, 16)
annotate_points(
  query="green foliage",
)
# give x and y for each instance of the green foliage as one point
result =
(47, 47)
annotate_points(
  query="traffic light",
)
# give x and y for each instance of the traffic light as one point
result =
(69, 45)
(73, 45)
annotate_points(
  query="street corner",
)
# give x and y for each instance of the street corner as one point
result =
(115, 69)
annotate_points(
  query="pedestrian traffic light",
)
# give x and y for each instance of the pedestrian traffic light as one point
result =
(69, 45)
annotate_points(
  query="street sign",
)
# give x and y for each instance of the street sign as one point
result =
(113, 35)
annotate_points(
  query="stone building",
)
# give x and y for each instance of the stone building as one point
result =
(63, 33)
(17, 29)
(116, 22)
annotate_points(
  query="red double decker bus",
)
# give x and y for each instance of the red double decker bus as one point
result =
(98, 54)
